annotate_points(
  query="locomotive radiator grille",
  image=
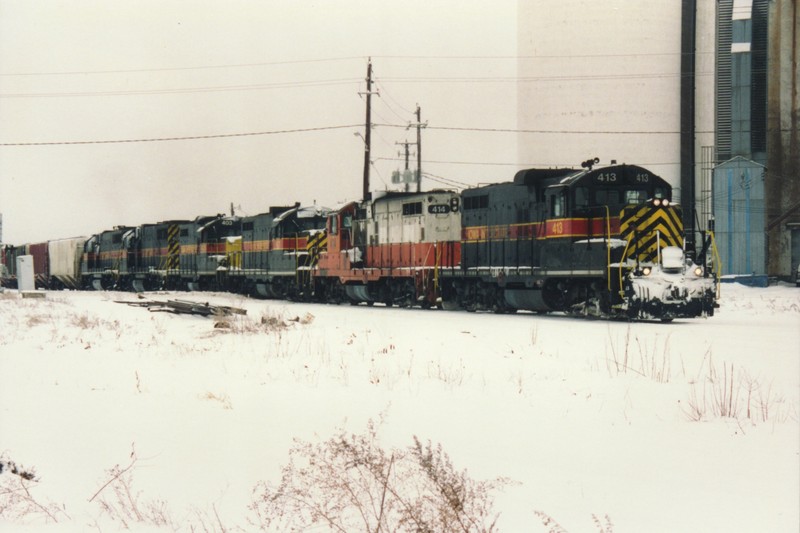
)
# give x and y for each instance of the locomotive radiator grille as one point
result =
(648, 228)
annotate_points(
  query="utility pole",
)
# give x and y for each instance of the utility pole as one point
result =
(407, 153)
(419, 126)
(368, 127)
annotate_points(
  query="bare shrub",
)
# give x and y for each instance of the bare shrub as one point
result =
(733, 393)
(452, 374)
(223, 399)
(268, 322)
(603, 526)
(84, 321)
(121, 503)
(17, 502)
(350, 483)
(36, 320)
(202, 521)
(647, 361)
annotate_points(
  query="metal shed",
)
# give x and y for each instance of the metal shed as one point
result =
(739, 216)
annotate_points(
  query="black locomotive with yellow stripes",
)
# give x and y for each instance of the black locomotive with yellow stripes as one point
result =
(596, 241)
(263, 255)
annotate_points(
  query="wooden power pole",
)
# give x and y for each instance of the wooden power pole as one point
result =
(367, 133)
(419, 150)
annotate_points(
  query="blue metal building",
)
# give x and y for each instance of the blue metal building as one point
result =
(739, 206)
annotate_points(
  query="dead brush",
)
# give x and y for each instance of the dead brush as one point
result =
(268, 322)
(121, 503)
(647, 360)
(223, 399)
(84, 321)
(603, 525)
(351, 483)
(17, 502)
(733, 393)
(6, 295)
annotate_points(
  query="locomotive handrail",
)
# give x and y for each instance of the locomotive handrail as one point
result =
(622, 259)
(436, 258)
(717, 260)
(608, 245)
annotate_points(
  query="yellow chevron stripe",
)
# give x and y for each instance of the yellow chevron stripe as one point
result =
(173, 247)
(647, 227)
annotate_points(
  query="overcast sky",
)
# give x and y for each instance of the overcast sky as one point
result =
(96, 71)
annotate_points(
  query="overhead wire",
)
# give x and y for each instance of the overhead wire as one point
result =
(223, 88)
(383, 90)
(403, 126)
(178, 69)
(184, 138)
(343, 58)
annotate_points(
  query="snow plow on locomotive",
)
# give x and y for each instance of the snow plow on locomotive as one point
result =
(604, 242)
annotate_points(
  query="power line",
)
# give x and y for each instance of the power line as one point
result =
(529, 79)
(187, 138)
(568, 132)
(545, 56)
(334, 59)
(447, 181)
(386, 125)
(176, 69)
(383, 90)
(331, 82)
(224, 88)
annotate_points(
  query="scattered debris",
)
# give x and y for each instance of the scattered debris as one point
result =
(186, 307)
(25, 473)
(308, 318)
(33, 294)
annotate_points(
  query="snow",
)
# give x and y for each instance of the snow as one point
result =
(87, 383)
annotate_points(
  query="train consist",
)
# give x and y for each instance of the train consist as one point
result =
(606, 242)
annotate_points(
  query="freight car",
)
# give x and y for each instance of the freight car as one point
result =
(9, 264)
(64, 263)
(56, 263)
(40, 264)
(596, 241)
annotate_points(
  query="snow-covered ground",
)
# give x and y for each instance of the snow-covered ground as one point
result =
(588, 418)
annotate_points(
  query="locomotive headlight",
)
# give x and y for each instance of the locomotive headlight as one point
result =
(698, 271)
(665, 202)
(646, 271)
(657, 202)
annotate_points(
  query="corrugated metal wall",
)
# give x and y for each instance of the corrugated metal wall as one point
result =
(723, 118)
(739, 212)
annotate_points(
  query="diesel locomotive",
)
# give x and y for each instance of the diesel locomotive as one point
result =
(597, 241)
(605, 242)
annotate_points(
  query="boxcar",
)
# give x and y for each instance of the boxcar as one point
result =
(64, 257)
